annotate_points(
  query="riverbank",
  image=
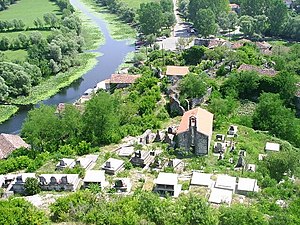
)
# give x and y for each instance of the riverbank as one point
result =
(118, 30)
(6, 111)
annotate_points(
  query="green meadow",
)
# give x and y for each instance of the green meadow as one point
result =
(136, 3)
(29, 10)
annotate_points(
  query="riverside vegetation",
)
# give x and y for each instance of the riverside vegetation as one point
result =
(52, 45)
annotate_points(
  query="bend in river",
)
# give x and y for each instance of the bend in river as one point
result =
(113, 54)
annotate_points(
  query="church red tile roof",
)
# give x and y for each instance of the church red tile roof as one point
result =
(123, 78)
(10, 142)
(204, 121)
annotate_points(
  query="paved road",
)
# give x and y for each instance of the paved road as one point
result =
(180, 31)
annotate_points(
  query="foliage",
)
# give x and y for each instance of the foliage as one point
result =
(193, 86)
(19, 211)
(31, 186)
(206, 22)
(239, 214)
(150, 17)
(193, 55)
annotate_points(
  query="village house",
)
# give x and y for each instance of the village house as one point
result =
(201, 179)
(167, 184)
(272, 147)
(96, 177)
(122, 80)
(264, 47)
(195, 131)
(211, 43)
(17, 186)
(9, 143)
(113, 166)
(65, 163)
(175, 73)
(59, 182)
(122, 185)
(246, 185)
(263, 71)
(142, 158)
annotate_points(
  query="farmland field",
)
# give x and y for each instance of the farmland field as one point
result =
(29, 10)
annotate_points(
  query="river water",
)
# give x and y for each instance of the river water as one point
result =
(113, 52)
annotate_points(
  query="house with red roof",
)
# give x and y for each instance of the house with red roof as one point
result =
(195, 131)
(122, 80)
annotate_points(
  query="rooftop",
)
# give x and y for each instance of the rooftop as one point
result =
(264, 71)
(204, 121)
(225, 182)
(220, 196)
(114, 164)
(94, 176)
(126, 151)
(247, 184)
(167, 178)
(202, 179)
(123, 78)
(177, 70)
(10, 142)
(272, 147)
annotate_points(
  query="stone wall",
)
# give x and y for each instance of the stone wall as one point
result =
(201, 142)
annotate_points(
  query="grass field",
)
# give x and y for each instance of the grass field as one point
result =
(11, 56)
(136, 3)
(6, 111)
(29, 10)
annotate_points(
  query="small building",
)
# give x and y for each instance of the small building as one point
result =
(96, 177)
(175, 73)
(226, 182)
(9, 143)
(126, 151)
(219, 196)
(122, 80)
(104, 85)
(18, 183)
(65, 163)
(142, 158)
(87, 161)
(122, 185)
(59, 182)
(195, 131)
(167, 184)
(246, 185)
(113, 166)
(272, 147)
(201, 179)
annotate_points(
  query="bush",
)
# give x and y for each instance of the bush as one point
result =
(31, 186)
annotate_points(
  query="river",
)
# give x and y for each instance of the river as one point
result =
(113, 52)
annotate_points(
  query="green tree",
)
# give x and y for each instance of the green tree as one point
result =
(206, 22)
(239, 214)
(247, 24)
(150, 17)
(192, 86)
(193, 55)
(31, 186)
(101, 123)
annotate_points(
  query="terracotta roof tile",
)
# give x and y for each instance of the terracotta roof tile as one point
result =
(10, 142)
(263, 71)
(177, 70)
(204, 121)
(123, 78)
